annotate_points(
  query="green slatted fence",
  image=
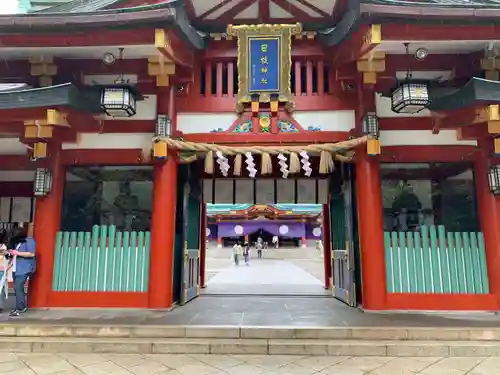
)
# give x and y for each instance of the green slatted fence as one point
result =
(103, 260)
(433, 261)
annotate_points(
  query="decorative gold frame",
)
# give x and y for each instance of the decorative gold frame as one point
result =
(284, 33)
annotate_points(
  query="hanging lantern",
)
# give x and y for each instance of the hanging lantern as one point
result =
(119, 100)
(371, 125)
(43, 182)
(163, 126)
(410, 97)
(494, 179)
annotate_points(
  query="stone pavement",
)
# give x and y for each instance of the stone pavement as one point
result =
(265, 276)
(284, 271)
(171, 364)
(256, 311)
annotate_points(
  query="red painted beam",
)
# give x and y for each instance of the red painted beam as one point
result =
(102, 156)
(314, 8)
(228, 16)
(406, 123)
(336, 101)
(176, 50)
(263, 138)
(353, 48)
(427, 154)
(227, 49)
(212, 10)
(295, 11)
(264, 11)
(16, 162)
(188, 4)
(98, 37)
(21, 114)
(419, 32)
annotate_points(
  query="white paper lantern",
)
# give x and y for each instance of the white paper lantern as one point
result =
(283, 229)
(317, 232)
(238, 229)
(208, 232)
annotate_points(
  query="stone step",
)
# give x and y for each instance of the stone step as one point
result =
(236, 332)
(318, 347)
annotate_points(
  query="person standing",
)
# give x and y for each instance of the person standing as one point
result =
(275, 242)
(236, 253)
(246, 253)
(259, 250)
(24, 265)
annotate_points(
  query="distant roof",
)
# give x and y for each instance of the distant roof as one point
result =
(221, 208)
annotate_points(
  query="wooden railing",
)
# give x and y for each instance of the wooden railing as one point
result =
(313, 84)
(104, 260)
(433, 261)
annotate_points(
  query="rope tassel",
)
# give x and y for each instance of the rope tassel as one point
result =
(294, 163)
(266, 164)
(326, 164)
(209, 162)
(237, 165)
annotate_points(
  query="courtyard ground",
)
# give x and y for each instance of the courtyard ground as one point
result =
(168, 364)
(284, 271)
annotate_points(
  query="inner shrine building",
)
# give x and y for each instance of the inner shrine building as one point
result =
(122, 119)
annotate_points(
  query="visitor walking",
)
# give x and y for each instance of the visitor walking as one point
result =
(319, 246)
(275, 242)
(24, 265)
(259, 249)
(237, 250)
(246, 253)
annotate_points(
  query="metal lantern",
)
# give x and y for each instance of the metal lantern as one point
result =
(410, 97)
(371, 125)
(163, 126)
(119, 101)
(43, 182)
(494, 179)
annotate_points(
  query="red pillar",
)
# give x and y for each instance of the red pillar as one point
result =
(163, 234)
(371, 230)
(47, 224)
(219, 241)
(489, 216)
(203, 244)
(163, 216)
(327, 246)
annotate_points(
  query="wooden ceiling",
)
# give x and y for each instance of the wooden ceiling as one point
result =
(223, 12)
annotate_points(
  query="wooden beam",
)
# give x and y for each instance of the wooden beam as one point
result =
(314, 8)
(172, 47)
(212, 10)
(295, 11)
(469, 116)
(417, 32)
(97, 37)
(228, 16)
(264, 11)
(360, 44)
(188, 4)
(227, 49)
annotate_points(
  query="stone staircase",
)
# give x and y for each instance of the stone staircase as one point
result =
(146, 339)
